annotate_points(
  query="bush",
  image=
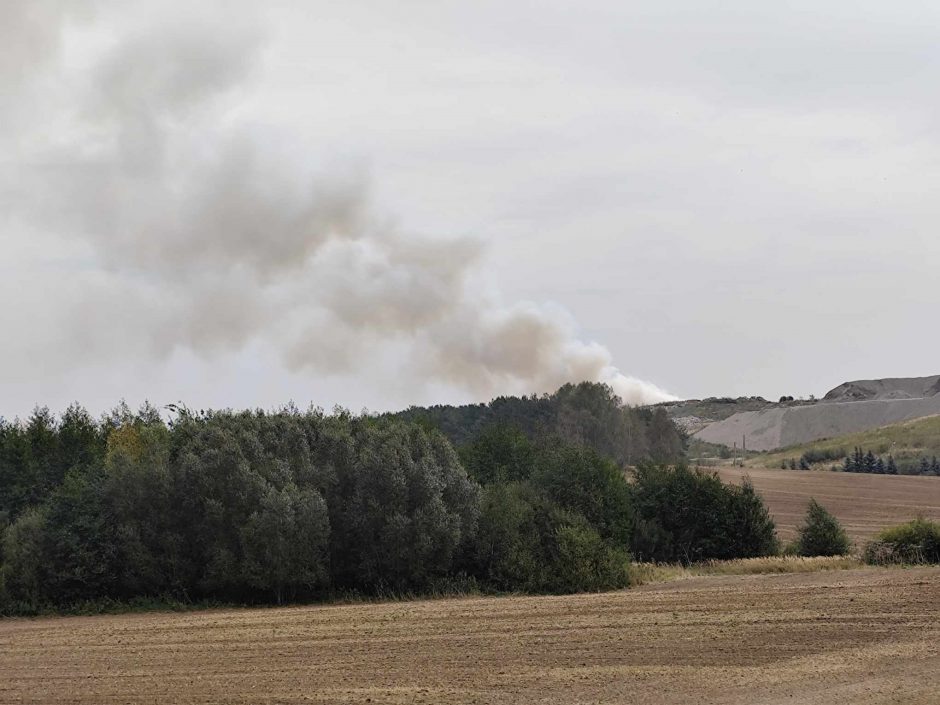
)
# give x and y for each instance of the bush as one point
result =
(23, 572)
(585, 563)
(822, 455)
(917, 541)
(527, 543)
(685, 516)
(821, 533)
(580, 480)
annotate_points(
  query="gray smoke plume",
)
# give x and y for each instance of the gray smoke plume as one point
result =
(206, 233)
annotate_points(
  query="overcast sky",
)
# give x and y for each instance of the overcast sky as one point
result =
(376, 204)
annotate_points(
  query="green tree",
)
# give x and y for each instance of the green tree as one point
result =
(665, 439)
(585, 562)
(80, 541)
(286, 541)
(580, 480)
(685, 515)
(24, 560)
(501, 454)
(528, 543)
(401, 508)
(821, 533)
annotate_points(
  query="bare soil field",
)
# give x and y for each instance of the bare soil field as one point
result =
(866, 636)
(864, 503)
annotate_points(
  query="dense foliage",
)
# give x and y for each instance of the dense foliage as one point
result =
(866, 461)
(821, 534)
(583, 414)
(688, 515)
(917, 541)
(271, 507)
(554, 518)
(246, 506)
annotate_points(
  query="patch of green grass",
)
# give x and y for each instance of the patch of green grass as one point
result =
(907, 441)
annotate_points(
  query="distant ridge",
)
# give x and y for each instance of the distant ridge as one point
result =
(891, 388)
(851, 407)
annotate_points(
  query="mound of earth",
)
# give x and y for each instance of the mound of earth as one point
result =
(849, 408)
(892, 388)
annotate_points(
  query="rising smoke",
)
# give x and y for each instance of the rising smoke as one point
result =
(208, 233)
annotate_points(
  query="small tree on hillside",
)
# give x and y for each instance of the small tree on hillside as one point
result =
(821, 533)
(892, 467)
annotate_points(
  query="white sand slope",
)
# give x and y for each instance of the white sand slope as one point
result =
(885, 402)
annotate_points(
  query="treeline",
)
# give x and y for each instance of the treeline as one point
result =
(585, 414)
(257, 507)
(864, 461)
(861, 461)
(228, 506)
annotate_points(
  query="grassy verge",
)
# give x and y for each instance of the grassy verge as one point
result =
(906, 441)
(640, 574)
(648, 573)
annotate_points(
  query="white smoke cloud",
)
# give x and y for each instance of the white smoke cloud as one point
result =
(208, 233)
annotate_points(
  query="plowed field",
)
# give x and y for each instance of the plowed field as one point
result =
(863, 503)
(841, 637)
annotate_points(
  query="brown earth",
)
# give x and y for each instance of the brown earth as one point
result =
(859, 637)
(863, 503)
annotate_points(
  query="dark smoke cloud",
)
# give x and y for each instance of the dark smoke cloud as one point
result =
(208, 234)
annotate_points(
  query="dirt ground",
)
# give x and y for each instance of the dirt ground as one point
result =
(856, 637)
(864, 503)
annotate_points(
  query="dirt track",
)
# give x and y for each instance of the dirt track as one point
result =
(864, 503)
(852, 637)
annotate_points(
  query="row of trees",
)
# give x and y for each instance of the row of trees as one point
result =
(587, 414)
(258, 507)
(244, 507)
(860, 460)
(867, 461)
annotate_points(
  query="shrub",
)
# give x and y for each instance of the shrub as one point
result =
(23, 572)
(821, 534)
(526, 542)
(822, 455)
(917, 541)
(585, 563)
(685, 515)
(578, 479)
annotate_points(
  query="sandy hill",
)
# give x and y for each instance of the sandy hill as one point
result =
(894, 388)
(849, 408)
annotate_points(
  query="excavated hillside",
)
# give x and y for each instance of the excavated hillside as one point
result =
(851, 407)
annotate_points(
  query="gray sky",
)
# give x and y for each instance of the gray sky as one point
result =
(378, 204)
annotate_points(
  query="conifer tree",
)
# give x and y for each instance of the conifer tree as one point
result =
(892, 468)
(821, 533)
(859, 460)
